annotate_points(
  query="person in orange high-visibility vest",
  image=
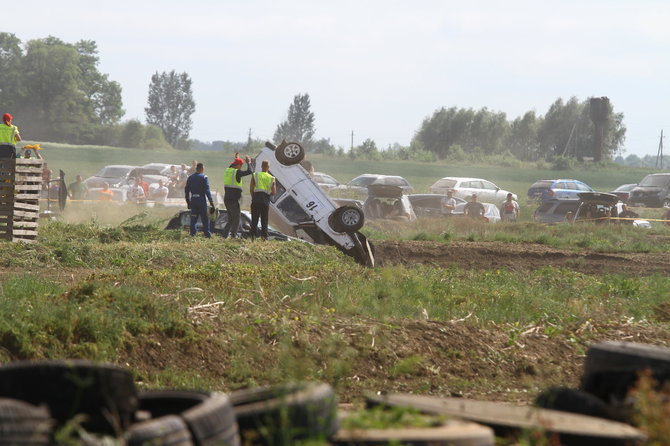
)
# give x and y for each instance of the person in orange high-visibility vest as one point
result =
(9, 136)
(263, 186)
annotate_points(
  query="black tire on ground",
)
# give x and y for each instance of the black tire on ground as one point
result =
(105, 393)
(24, 424)
(209, 416)
(169, 430)
(577, 401)
(452, 433)
(346, 219)
(284, 414)
(289, 153)
(611, 369)
(666, 203)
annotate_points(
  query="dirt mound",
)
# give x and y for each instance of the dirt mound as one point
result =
(517, 257)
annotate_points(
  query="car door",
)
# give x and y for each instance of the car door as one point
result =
(491, 193)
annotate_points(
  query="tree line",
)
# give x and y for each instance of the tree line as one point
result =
(59, 86)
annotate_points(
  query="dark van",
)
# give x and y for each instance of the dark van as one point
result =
(653, 191)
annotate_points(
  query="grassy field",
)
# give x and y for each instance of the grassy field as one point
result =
(85, 161)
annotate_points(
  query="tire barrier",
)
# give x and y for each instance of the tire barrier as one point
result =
(95, 404)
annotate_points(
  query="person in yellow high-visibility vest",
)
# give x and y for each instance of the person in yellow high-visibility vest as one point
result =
(262, 187)
(232, 182)
(9, 136)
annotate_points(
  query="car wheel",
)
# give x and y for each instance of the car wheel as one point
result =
(346, 219)
(666, 203)
(290, 153)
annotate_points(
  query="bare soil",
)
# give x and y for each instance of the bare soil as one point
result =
(517, 257)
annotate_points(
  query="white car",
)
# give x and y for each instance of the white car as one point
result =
(360, 183)
(302, 209)
(464, 188)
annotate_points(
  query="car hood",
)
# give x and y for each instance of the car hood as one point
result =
(598, 197)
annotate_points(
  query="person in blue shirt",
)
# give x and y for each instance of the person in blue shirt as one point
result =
(197, 193)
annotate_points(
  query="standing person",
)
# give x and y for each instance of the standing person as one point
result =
(160, 193)
(135, 193)
(77, 190)
(143, 184)
(197, 193)
(9, 136)
(262, 187)
(473, 208)
(192, 169)
(46, 178)
(449, 203)
(232, 181)
(105, 194)
(509, 211)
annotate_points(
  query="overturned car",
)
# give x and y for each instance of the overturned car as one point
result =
(300, 208)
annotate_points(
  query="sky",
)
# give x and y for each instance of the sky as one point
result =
(374, 68)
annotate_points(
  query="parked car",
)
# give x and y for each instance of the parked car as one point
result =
(114, 175)
(302, 209)
(561, 189)
(623, 191)
(464, 187)
(182, 220)
(652, 191)
(491, 212)
(325, 181)
(555, 210)
(158, 168)
(388, 202)
(361, 183)
(429, 205)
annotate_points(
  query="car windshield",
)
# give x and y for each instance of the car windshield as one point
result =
(625, 188)
(445, 183)
(113, 172)
(363, 181)
(542, 184)
(325, 179)
(654, 180)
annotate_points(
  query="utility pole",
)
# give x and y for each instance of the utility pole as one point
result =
(352, 140)
(249, 140)
(659, 156)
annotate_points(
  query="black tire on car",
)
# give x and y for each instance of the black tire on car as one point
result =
(169, 430)
(286, 413)
(209, 416)
(611, 369)
(104, 393)
(666, 203)
(290, 153)
(24, 424)
(346, 219)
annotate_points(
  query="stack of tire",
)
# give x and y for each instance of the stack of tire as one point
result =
(81, 402)
(611, 370)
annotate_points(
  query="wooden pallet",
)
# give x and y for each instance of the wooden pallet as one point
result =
(20, 187)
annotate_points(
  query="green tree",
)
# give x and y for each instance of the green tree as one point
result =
(299, 124)
(171, 106)
(55, 88)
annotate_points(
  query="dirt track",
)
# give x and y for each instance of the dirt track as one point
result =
(517, 257)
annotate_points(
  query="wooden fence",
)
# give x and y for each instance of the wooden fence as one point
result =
(20, 187)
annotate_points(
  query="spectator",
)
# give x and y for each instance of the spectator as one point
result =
(570, 217)
(474, 209)
(509, 211)
(105, 194)
(46, 177)
(77, 190)
(449, 203)
(143, 184)
(136, 192)
(192, 169)
(627, 213)
(159, 194)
